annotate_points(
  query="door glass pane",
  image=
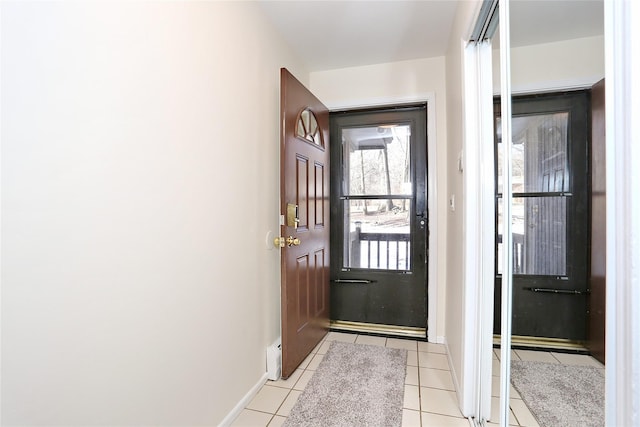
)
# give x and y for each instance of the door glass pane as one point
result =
(539, 236)
(377, 237)
(377, 160)
(539, 153)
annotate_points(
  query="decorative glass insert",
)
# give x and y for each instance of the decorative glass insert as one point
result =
(307, 127)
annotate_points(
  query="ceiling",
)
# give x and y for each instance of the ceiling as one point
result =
(337, 34)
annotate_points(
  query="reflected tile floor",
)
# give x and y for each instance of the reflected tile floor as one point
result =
(429, 396)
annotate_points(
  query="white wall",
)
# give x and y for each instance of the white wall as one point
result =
(139, 178)
(405, 80)
(458, 292)
(576, 63)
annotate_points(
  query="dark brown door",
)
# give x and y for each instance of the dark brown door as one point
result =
(598, 224)
(304, 199)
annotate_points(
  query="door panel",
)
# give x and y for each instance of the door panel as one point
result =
(550, 216)
(304, 196)
(597, 297)
(379, 217)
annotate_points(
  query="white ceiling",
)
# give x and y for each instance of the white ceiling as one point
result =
(336, 34)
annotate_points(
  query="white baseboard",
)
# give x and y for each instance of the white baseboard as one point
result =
(454, 373)
(439, 339)
(235, 412)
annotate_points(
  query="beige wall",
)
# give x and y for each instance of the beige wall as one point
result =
(567, 64)
(405, 80)
(140, 176)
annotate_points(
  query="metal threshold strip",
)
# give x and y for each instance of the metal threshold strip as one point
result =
(361, 281)
(375, 328)
(558, 291)
(543, 343)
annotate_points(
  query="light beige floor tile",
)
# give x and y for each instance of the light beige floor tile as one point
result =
(411, 376)
(436, 378)
(411, 397)
(536, 356)
(371, 340)
(522, 413)
(436, 401)
(306, 361)
(412, 358)
(313, 365)
(410, 418)
(437, 420)
(432, 360)
(498, 355)
(495, 386)
(495, 412)
(268, 399)
(317, 347)
(495, 389)
(288, 403)
(400, 343)
(323, 347)
(495, 368)
(429, 347)
(341, 336)
(497, 424)
(304, 380)
(249, 418)
(277, 421)
(289, 382)
(577, 359)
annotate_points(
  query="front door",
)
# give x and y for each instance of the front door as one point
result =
(550, 217)
(378, 226)
(304, 199)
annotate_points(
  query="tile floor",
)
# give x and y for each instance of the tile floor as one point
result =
(429, 397)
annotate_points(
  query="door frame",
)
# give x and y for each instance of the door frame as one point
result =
(432, 195)
(622, 64)
(479, 221)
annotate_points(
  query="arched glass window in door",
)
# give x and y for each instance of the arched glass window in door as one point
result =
(307, 127)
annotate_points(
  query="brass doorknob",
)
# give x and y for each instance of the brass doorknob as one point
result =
(293, 241)
(278, 242)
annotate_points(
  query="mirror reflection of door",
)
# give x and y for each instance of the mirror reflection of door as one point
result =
(550, 219)
(378, 223)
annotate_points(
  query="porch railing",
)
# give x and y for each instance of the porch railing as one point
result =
(386, 251)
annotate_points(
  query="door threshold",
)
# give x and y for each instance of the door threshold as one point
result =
(375, 328)
(544, 343)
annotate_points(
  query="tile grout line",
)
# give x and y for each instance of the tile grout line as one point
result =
(419, 383)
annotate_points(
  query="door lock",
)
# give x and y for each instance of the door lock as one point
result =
(279, 242)
(292, 216)
(293, 241)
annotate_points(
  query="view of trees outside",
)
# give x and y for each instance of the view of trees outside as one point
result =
(378, 163)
